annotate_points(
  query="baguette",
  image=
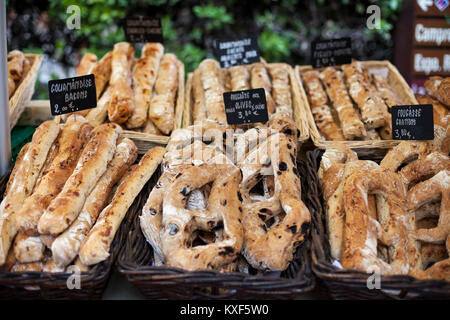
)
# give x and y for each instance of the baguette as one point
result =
(65, 247)
(122, 97)
(240, 78)
(352, 126)
(144, 77)
(199, 109)
(210, 77)
(281, 87)
(19, 160)
(23, 182)
(98, 115)
(87, 63)
(102, 73)
(92, 164)
(371, 114)
(28, 249)
(260, 79)
(162, 105)
(385, 91)
(319, 108)
(70, 143)
(97, 244)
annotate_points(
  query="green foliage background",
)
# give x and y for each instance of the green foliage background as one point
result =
(285, 28)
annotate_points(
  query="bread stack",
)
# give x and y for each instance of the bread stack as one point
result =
(350, 103)
(18, 67)
(138, 94)
(60, 208)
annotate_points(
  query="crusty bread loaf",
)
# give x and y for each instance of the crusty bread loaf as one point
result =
(24, 181)
(87, 63)
(19, 160)
(98, 115)
(102, 73)
(66, 246)
(260, 79)
(162, 104)
(97, 244)
(93, 162)
(70, 143)
(199, 108)
(144, 77)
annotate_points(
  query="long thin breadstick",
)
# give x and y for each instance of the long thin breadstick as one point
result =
(64, 209)
(162, 105)
(97, 244)
(65, 247)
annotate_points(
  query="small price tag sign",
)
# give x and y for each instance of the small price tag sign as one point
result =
(332, 52)
(412, 122)
(245, 107)
(72, 94)
(142, 29)
(234, 52)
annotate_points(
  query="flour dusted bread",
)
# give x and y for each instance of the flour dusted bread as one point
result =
(144, 76)
(64, 209)
(28, 249)
(24, 181)
(96, 246)
(65, 247)
(68, 147)
(122, 101)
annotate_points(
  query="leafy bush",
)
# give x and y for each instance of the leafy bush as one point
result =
(285, 28)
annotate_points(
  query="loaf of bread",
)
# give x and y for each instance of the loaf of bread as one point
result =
(122, 101)
(144, 77)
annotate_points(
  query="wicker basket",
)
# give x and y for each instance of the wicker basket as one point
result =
(350, 284)
(299, 103)
(41, 285)
(395, 80)
(24, 91)
(136, 262)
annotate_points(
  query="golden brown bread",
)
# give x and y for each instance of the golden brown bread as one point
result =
(92, 164)
(260, 79)
(96, 246)
(87, 63)
(144, 77)
(199, 108)
(24, 181)
(28, 249)
(122, 101)
(65, 247)
(69, 145)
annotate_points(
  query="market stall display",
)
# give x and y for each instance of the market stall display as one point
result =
(64, 203)
(388, 218)
(226, 206)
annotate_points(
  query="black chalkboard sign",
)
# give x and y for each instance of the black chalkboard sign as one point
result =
(72, 94)
(233, 52)
(412, 122)
(332, 52)
(142, 29)
(246, 106)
